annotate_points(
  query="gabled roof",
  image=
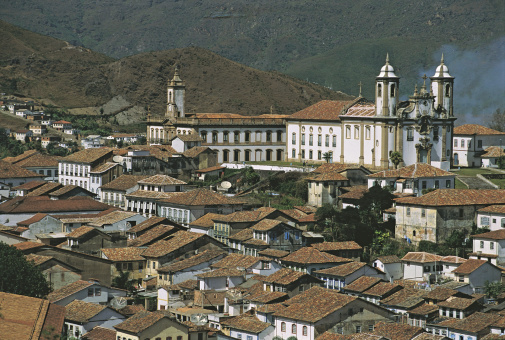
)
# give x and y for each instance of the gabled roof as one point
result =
(192, 137)
(100, 333)
(327, 177)
(222, 272)
(455, 197)
(473, 323)
(203, 257)
(206, 221)
(238, 260)
(455, 302)
(111, 218)
(285, 276)
(497, 209)
(26, 317)
(328, 110)
(492, 235)
(421, 257)
(382, 289)
(343, 269)
(246, 322)
(87, 155)
(103, 167)
(314, 304)
(493, 152)
(123, 254)
(266, 224)
(34, 219)
(441, 294)
(161, 180)
(196, 150)
(200, 197)
(424, 309)
(243, 216)
(38, 259)
(417, 170)
(39, 160)
(273, 253)
(80, 311)
(46, 189)
(139, 322)
(32, 185)
(335, 167)
(309, 255)
(68, 290)
(406, 298)
(362, 283)
(8, 170)
(176, 241)
(475, 129)
(153, 234)
(147, 224)
(396, 331)
(453, 259)
(470, 266)
(80, 232)
(18, 158)
(44, 204)
(389, 259)
(329, 246)
(123, 182)
(68, 188)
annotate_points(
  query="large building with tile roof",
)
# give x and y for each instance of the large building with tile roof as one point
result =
(470, 143)
(236, 138)
(361, 132)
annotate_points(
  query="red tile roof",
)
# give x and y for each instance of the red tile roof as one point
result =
(273, 253)
(327, 177)
(421, 257)
(196, 151)
(88, 155)
(455, 197)
(475, 129)
(469, 266)
(44, 190)
(68, 290)
(328, 246)
(147, 224)
(35, 218)
(417, 170)
(238, 260)
(308, 255)
(203, 257)
(8, 170)
(343, 269)
(493, 152)
(206, 221)
(396, 331)
(285, 276)
(139, 322)
(27, 245)
(492, 235)
(80, 232)
(161, 180)
(246, 322)
(474, 323)
(43, 204)
(362, 283)
(201, 197)
(123, 254)
(123, 182)
(329, 110)
(81, 311)
(176, 241)
(100, 333)
(29, 185)
(497, 209)
(152, 235)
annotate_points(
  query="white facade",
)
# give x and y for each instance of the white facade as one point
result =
(74, 174)
(393, 271)
(470, 141)
(490, 220)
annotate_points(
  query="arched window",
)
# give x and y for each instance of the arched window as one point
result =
(236, 155)
(293, 328)
(392, 90)
(279, 135)
(293, 153)
(269, 155)
(448, 90)
(247, 136)
(304, 330)
(247, 155)
(379, 90)
(226, 155)
(269, 136)
(225, 136)
(236, 136)
(279, 154)
(214, 136)
(283, 326)
(203, 134)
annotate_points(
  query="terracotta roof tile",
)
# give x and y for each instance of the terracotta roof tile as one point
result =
(192, 137)
(153, 234)
(275, 253)
(382, 289)
(356, 192)
(205, 256)
(441, 294)
(81, 311)
(492, 235)
(361, 284)
(123, 182)
(201, 197)
(255, 242)
(206, 221)
(243, 235)
(212, 168)
(343, 269)
(46, 189)
(27, 245)
(397, 331)
(147, 224)
(32, 185)
(246, 322)
(271, 308)
(451, 197)
(44, 204)
(417, 170)
(112, 217)
(493, 152)
(389, 259)
(294, 214)
(209, 298)
(308, 255)
(66, 189)
(80, 232)
(469, 266)
(123, 254)
(357, 336)
(328, 246)
(455, 302)
(161, 180)
(139, 322)
(8, 170)
(34, 219)
(103, 167)
(284, 276)
(38, 259)
(100, 333)
(497, 209)
(453, 259)
(327, 177)
(329, 110)
(237, 260)
(407, 298)
(243, 216)
(129, 310)
(475, 129)
(424, 309)
(39, 160)
(18, 158)
(176, 241)
(314, 304)
(88, 155)
(67, 290)
(474, 323)
(266, 224)
(196, 151)
(421, 257)
(361, 110)
(333, 167)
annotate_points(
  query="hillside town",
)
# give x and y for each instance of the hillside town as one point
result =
(360, 219)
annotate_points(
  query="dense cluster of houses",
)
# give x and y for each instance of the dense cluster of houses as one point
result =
(133, 252)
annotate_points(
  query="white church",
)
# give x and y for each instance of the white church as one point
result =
(363, 133)
(356, 132)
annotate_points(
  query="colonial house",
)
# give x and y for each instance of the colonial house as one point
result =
(361, 284)
(360, 132)
(470, 142)
(76, 168)
(14, 175)
(127, 259)
(103, 174)
(491, 217)
(290, 281)
(477, 273)
(62, 125)
(87, 291)
(309, 259)
(58, 274)
(248, 326)
(23, 135)
(181, 143)
(317, 310)
(348, 249)
(81, 317)
(433, 216)
(37, 130)
(491, 156)
(414, 179)
(473, 327)
(422, 266)
(324, 188)
(252, 264)
(114, 192)
(489, 246)
(236, 138)
(40, 163)
(391, 265)
(340, 276)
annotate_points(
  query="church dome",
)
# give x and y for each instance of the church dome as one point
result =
(442, 70)
(387, 71)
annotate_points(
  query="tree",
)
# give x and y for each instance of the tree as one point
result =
(123, 281)
(20, 276)
(396, 158)
(498, 120)
(327, 156)
(493, 289)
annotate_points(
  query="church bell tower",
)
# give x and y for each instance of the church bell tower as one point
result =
(442, 85)
(176, 90)
(386, 90)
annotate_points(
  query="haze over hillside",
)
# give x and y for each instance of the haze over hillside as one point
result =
(334, 43)
(54, 71)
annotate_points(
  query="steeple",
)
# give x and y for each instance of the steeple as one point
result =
(442, 84)
(176, 90)
(386, 90)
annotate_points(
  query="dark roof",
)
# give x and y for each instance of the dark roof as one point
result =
(205, 256)
(176, 241)
(44, 204)
(308, 255)
(87, 155)
(123, 254)
(201, 197)
(328, 246)
(396, 331)
(361, 284)
(147, 224)
(139, 321)
(8, 170)
(81, 311)
(123, 182)
(100, 333)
